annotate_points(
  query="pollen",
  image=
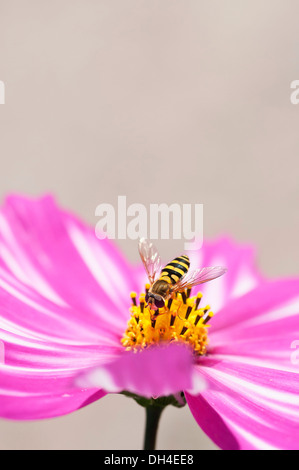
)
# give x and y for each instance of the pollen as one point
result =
(182, 319)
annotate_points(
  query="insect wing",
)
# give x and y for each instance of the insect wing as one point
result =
(198, 276)
(150, 258)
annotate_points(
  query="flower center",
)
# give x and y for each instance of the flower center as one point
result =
(182, 319)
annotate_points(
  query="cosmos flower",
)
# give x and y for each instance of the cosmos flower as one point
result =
(73, 330)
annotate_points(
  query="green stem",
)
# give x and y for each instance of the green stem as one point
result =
(153, 414)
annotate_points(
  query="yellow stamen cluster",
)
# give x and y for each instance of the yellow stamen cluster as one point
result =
(180, 320)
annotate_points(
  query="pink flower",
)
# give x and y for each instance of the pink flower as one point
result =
(64, 309)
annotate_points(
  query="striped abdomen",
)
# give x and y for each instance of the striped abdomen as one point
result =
(173, 272)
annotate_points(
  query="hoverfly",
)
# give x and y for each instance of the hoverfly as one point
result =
(173, 278)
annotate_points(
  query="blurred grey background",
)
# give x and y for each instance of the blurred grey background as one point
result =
(161, 101)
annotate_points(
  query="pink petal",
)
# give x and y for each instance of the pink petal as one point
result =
(253, 386)
(158, 371)
(36, 380)
(270, 309)
(51, 253)
(31, 394)
(64, 299)
(255, 407)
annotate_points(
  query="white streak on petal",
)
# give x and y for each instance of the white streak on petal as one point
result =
(23, 298)
(287, 310)
(263, 391)
(24, 270)
(251, 438)
(91, 262)
(99, 377)
(198, 384)
(253, 361)
(245, 282)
